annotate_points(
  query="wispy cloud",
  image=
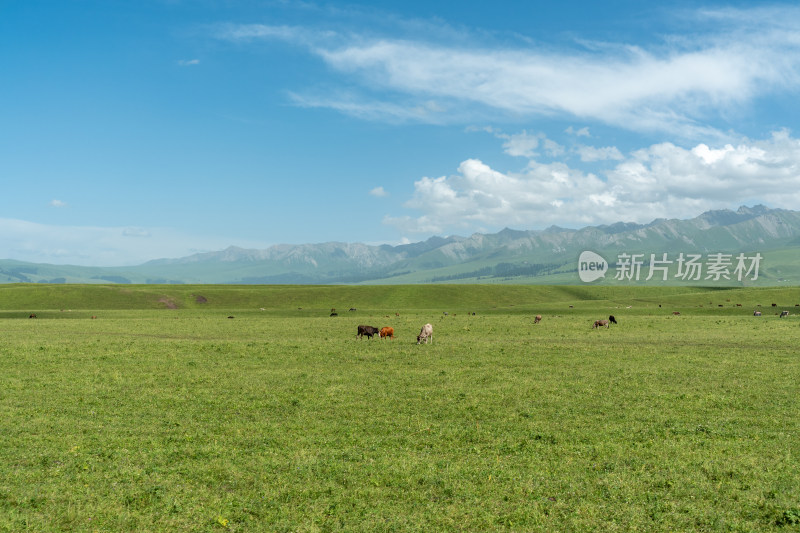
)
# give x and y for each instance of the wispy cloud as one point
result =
(57, 203)
(674, 86)
(662, 180)
(581, 132)
(188, 62)
(380, 192)
(590, 153)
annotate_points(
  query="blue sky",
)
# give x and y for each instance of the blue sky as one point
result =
(132, 131)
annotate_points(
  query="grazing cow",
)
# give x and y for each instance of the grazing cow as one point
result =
(369, 331)
(600, 324)
(676, 313)
(537, 319)
(32, 315)
(334, 314)
(784, 313)
(774, 305)
(612, 319)
(425, 333)
(352, 309)
(756, 313)
(387, 332)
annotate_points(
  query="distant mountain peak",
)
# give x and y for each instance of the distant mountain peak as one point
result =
(521, 253)
(727, 217)
(756, 210)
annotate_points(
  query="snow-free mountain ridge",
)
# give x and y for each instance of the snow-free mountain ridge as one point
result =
(530, 256)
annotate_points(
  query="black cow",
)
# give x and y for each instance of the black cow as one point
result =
(369, 331)
(612, 319)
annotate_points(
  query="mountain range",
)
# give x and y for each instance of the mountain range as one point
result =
(509, 256)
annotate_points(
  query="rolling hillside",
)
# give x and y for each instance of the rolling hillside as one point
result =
(510, 256)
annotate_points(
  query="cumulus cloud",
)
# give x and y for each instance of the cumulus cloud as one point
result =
(380, 192)
(662, 180)
(57, 203)
(674, 86)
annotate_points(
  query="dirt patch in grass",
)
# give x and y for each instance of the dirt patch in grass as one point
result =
(168, 302)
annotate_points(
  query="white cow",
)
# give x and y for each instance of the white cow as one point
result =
(425, 333)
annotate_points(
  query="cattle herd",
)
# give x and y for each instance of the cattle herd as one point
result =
(427, 330)
(424, 334)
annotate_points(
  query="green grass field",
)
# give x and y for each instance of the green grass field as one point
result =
(162, 414)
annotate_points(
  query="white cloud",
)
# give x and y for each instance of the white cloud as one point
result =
(379, 192)
(188, 62)
(590, 153)
(521, 144)
(582, 132)
(526, 144)
(552, 148)
(57, 203)
(663, 180)
(674, 86)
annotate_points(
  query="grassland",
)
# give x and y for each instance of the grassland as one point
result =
(162, 414)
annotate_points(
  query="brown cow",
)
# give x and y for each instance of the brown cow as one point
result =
(425, 333)
(600, 323)
(387, 332)
(537, 319)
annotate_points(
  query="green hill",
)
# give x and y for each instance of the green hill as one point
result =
(510, 256)
(66, 301)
